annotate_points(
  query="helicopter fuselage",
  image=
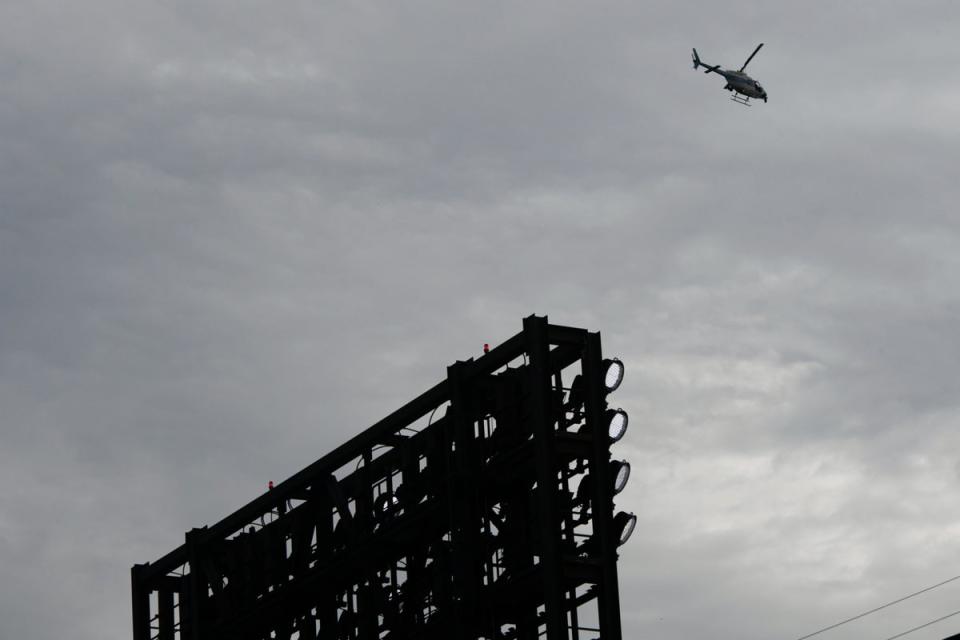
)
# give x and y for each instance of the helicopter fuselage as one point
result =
(742, 83)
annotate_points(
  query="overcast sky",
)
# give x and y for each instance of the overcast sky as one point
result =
(233, 234)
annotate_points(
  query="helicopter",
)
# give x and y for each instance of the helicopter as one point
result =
(737, 81)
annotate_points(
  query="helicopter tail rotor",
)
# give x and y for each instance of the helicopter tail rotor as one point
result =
(696, 60)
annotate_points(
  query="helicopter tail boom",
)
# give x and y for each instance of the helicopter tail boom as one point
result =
(697, 63)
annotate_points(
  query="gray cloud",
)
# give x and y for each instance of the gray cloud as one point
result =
(233, 236)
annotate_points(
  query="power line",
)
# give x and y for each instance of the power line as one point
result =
(900, 635)
(884, 606)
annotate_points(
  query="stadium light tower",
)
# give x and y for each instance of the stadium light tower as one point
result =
(493, 521)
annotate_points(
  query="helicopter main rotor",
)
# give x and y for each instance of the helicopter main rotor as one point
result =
(751, 57)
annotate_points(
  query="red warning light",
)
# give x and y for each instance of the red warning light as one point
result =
(270, 485)
(486, 348)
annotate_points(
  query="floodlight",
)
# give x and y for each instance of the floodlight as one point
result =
(621, 473)
(385, 504)
(612, 374)
(623, 525)
(616, 423)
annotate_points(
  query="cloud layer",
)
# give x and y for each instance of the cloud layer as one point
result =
(233, 235)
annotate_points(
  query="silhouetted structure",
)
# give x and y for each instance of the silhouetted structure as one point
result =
(481, 509)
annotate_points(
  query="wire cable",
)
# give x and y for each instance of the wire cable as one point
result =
(883, 606)
(900, 635)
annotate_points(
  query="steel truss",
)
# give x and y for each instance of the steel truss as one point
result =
(458, 516)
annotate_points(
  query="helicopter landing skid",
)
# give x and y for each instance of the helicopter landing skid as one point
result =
(740, 100)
